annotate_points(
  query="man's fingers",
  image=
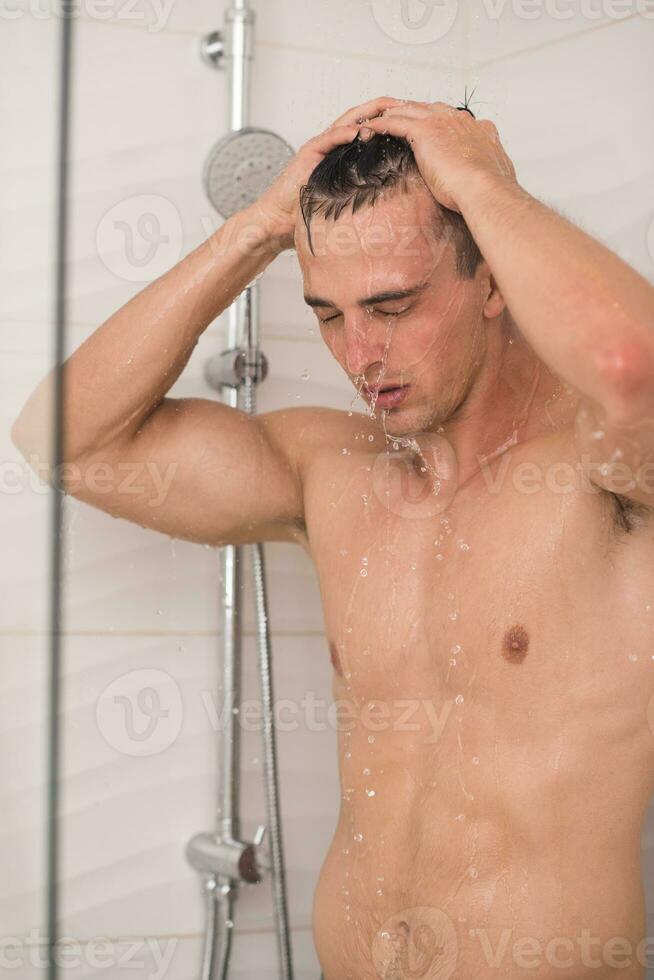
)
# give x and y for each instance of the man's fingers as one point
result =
(411, 112)
(393, 125)
(334, 136)
(367, 110)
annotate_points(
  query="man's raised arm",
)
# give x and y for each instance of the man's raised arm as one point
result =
(192, 468)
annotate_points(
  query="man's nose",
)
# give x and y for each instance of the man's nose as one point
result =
(364, 344)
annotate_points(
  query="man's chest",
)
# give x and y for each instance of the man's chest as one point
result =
(505, 596)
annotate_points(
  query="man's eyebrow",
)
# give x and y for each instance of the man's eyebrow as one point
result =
(384, 297)
(390, 294)
(317, 301)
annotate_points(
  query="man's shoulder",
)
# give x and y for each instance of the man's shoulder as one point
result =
(305, 431)
(556, 460)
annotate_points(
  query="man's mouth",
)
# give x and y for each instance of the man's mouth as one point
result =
(386, 396)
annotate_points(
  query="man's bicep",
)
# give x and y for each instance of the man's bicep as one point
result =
(197, 470)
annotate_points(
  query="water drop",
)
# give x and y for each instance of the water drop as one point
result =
(366, 772)
(475, 760)
(370, 792)
(363, 572)
(462, 545)
(459, 699)
(633, 657)
(305, 375)
(358, 837)
(371, 738)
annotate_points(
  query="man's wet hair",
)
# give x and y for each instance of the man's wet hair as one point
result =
(355, 174)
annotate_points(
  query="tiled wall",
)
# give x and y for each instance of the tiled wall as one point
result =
(570, 97)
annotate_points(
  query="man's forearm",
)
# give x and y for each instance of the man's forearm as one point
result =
(586, 313)
(124, 369)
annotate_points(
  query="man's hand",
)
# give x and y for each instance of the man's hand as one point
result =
(278, 205)
(450, 146)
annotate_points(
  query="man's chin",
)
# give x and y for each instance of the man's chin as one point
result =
(402, 422)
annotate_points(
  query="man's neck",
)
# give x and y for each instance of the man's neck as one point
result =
(505, 406)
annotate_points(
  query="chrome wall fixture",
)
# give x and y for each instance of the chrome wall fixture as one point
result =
(223, 858)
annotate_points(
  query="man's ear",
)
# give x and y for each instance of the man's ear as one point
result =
(494, 302)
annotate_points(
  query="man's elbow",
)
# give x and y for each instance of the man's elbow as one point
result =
(627, 371)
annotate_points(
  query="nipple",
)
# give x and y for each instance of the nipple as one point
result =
(516, 644)
(333, 656)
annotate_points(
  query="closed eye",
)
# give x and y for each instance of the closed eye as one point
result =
(328, 318)
(395, 312)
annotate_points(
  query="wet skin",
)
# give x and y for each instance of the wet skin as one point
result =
(491, 645)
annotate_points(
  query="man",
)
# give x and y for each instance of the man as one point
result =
(483, 535)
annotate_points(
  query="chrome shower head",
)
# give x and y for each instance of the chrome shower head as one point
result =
(241, 166)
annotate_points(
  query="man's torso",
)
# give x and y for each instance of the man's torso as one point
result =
(496, 662)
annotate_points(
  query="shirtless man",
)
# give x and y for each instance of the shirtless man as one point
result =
(483, 539)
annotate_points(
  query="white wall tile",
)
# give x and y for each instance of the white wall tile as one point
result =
(28, 113)
(23, 775)
(589, 155)
(358, 28)
(500, 28)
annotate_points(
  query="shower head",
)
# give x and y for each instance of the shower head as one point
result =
(241, 166)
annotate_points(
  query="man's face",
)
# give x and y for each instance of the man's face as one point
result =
(392, 309)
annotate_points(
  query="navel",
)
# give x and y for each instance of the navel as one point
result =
(516, 644)
(333, 656)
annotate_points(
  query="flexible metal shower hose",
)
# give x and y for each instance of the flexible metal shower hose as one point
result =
(264, 656)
